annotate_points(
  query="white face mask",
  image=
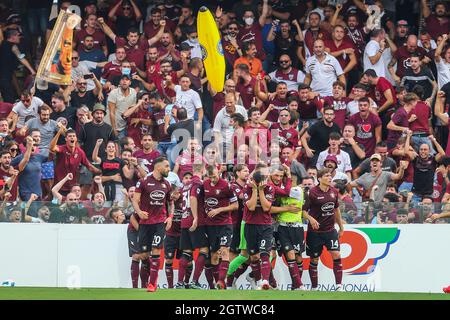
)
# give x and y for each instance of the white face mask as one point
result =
(194, 40)
(249, 21)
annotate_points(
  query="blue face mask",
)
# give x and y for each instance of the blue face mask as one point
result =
(126, 71)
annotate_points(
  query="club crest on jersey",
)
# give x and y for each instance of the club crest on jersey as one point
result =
(163, 186)
(332, 195)
(291, 76)
(217, 192)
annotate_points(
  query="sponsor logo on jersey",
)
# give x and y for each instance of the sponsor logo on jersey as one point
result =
(327, 206)
(157, 195)
(212, 202)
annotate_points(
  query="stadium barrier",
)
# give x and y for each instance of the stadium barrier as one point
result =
(388, 258)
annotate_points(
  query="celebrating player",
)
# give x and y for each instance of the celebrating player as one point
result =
(150, 202)
(324, 213)
(220, 200)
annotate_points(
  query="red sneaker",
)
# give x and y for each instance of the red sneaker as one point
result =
(446, 290)
(151, 288)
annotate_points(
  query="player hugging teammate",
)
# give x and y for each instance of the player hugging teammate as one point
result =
(204, 213)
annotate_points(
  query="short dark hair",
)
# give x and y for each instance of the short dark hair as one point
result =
(364, 99)
(239, 118)
(334, 136)
(392, 197)
(71, 131)
(181, 114)
(243, 67)
(302, 86)
(381, 144)
(251, 110)
(159, 160)
(238, 168)
(132, 30)
(361, 86)
(155, 10)
(155, 95)
(44, 107)
(339, 83)
(3, 152)
(370, 73)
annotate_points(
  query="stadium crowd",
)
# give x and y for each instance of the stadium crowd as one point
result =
(351, 92)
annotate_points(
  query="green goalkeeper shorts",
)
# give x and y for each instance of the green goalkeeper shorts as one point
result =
(243, 243)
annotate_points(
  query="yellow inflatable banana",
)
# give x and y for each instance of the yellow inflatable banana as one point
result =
(212, 51)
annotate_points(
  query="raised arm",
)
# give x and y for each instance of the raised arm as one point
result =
(437, 54)
(265, 11)
(425, 9)
(26, 157)
(439, 108)
(95, 156)
(137, 12)
(112, 13)
(106, 29)
(157, 37)
(59, 185)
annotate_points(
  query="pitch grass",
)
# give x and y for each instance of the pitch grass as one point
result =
(23, 293)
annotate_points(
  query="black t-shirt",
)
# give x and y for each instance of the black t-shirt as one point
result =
(89, 134)
(319, 134)
(355, 161)
(424, 78)
(89, 99)
(68, 215)
(424, 175)
(186, 125)
(111, 167)
(8, 60)
(123, 24)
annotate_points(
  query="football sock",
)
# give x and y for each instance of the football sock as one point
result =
(293, 271)
(182, 266)
(209, 274)
(236, 263)
(223, 268)
(265, 266)
(337, 269)
(145, 271)
(135, 273)
(169, 275)
(272, 281)
(300, 270)
(256, 269)
(313, 274)
(199, 265)
(216, 270)
(154, 269)
(189, 268)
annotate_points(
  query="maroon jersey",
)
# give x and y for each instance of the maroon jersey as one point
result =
(69, 162)
(98, 216)
(146, 159)
(186, 214)
(423, 114)
(279, 104)
(111, 70)
(135, 53)
(286, 137)
(218, 196)
(322, 207)
(359, 39)
(154, 197)
(365, 131)
(136, 132)
(218, 103)
(247, 92)
(158, 120)
(158, 80)
(282, 189)
(98, 35)
(343, 59)
(377, 93)
(150, 30)
(311, 36)
(175, 229)
(259, 216)
(254, 34)
(435, 27)
(198, 192)
(399, 118)
(339, 107)
(230, 52)
(308, 109)
(236, 215)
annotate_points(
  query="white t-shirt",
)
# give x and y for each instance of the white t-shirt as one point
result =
(371, 50)
(323, 74)
(353, 107)
(122, 103)
(344, 163)
(222, 123)
(189, 99)
(84, 67)
(443, 72)
(23, 112)
(196, 50)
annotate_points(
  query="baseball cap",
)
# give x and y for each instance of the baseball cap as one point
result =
(402, 23)
(41, 84)
(128, 76)
(141, 94)
(375, 156)
(99, 106)
(185, 47)
(331, 157)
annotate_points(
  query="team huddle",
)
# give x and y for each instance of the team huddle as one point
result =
(234, 225)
